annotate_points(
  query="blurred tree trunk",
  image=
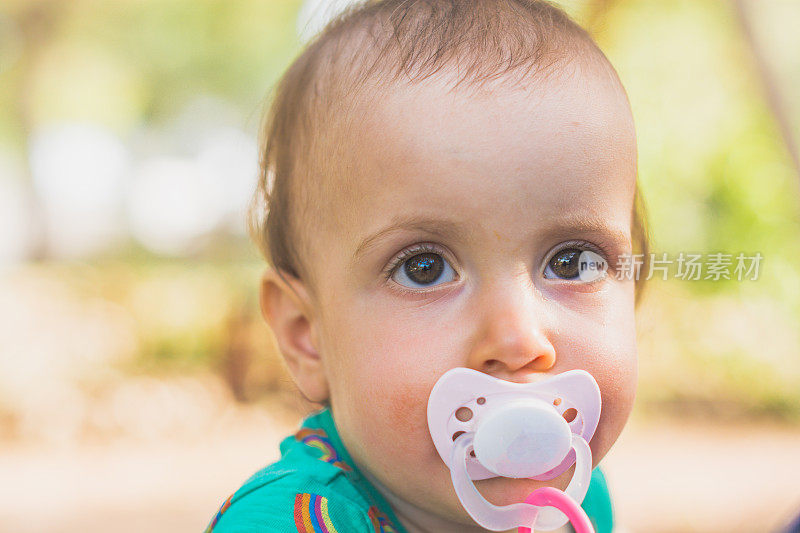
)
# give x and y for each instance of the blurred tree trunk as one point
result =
(772, 90)
(35, 22)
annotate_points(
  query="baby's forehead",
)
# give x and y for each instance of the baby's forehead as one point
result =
(427, 147)
(561, 116)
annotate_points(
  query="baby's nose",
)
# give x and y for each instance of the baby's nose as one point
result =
(513, 337)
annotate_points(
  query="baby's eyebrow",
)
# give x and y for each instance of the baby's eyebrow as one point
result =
(565, 226)
(441, 227)
(570, 224)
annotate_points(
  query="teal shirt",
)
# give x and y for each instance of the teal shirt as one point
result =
(316, 488)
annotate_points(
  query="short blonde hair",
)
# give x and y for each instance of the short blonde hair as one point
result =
(376, 43)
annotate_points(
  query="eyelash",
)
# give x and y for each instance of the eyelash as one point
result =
(598, 249)
(431, 248)
(409, 253)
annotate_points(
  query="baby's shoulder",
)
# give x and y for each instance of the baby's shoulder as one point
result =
(296, 493)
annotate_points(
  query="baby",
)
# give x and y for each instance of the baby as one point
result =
(432, 171)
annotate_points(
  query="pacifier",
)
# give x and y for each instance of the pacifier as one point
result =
(485, 427)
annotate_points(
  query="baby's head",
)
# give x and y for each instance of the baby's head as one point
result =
(432, 170)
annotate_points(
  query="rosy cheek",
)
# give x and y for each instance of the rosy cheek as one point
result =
(399, 412)
(408, 406)
(402, 410)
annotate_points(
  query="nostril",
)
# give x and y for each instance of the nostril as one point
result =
(542, 361)
(492, 366)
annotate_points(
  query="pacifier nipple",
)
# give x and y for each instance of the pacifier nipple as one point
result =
(522, 439)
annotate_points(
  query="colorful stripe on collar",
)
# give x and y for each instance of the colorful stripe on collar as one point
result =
(318, 439)
(380, 521)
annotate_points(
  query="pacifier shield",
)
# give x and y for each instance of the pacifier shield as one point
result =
(572, 396)
(485, 427)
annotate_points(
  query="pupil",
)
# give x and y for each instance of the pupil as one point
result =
(565, 263)
(424, 268)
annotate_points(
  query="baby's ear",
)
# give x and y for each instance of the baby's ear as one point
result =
(287, 308)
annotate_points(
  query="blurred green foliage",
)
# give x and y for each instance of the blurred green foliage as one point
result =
(123, 64)
(714, 169)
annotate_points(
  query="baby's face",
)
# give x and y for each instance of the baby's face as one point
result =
(448, 244)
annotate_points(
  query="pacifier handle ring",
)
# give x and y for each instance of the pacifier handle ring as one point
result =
(501, 518)
(552, 517)
(579, 484)
(552, 497)
(485, 513)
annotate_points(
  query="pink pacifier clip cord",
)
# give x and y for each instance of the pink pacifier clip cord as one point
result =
(550, 496)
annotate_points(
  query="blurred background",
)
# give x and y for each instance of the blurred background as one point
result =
(139, 385)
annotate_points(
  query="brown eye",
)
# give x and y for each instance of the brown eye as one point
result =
(564, 264)
(423, 269)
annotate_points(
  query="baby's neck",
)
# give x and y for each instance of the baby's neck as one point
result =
(416, 520)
